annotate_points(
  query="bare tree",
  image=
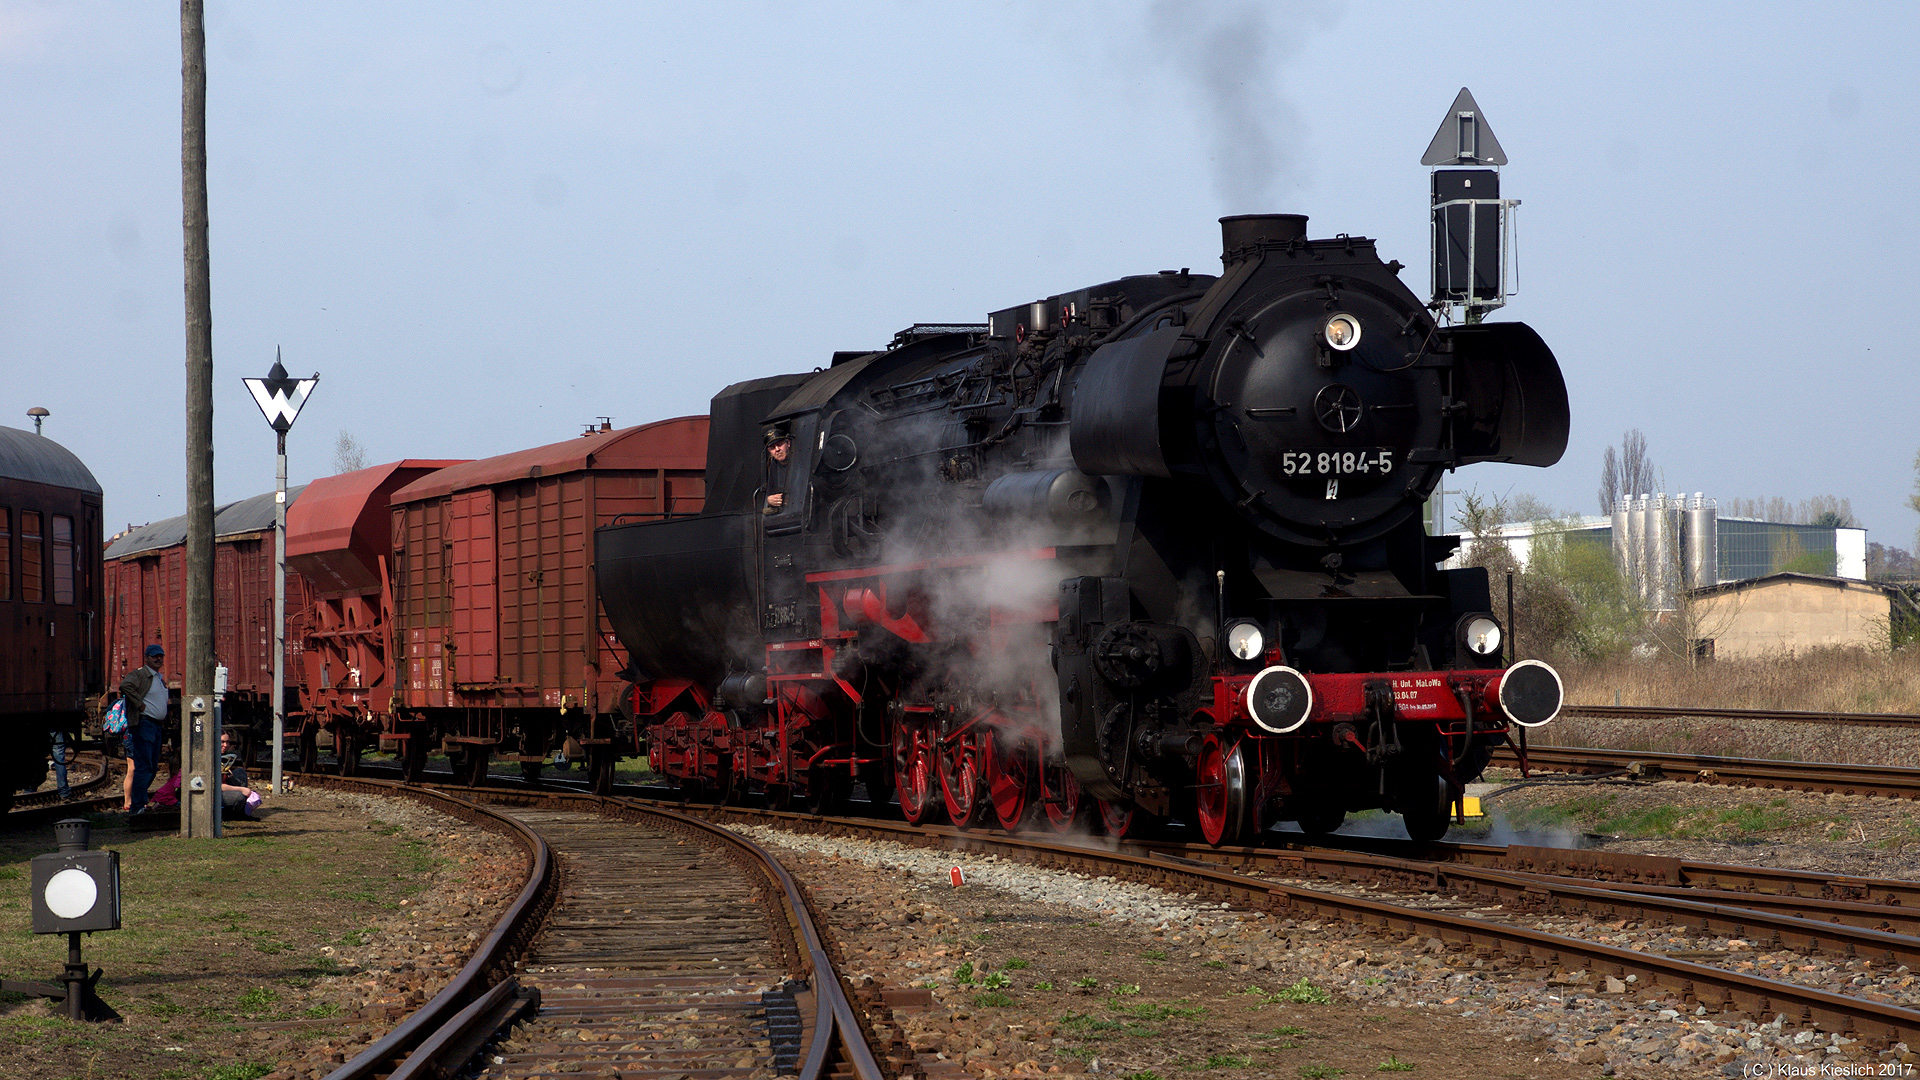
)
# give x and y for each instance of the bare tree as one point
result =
(1628, 471)
(1829, 511)
(1913, 500)
(348, 454)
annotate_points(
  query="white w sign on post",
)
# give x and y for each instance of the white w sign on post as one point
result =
(280, 396)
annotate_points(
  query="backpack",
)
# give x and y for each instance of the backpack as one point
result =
(116, 721)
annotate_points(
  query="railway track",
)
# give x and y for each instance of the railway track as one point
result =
(91, 788)
(1412, 895)
(1663, 712)
(646, 943)
(1825, 777)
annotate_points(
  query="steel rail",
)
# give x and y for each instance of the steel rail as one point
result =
(444, 1034)
(835, 1022)
(1672, 712)
(1818, 776)
(1808, 917)
(1623, 869)
(491, 965)
(1693, 982)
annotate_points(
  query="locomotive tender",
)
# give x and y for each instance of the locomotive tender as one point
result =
(1153, 545)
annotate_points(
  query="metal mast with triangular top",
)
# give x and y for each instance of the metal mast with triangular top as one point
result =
(1472, 224)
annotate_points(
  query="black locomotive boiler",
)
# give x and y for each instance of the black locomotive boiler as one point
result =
(1154, 545)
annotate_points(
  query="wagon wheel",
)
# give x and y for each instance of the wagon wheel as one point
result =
(1320, 819)
(413, 759)
(346, 750)
(1061, 791)
(530, 773)
(1220, 791)
(913, 775)
(827, 791)
(600, 763)
(1426, 817)
(1118, 819)
(472, 769)
(779, 797)
(1013, 773)
(733, 782)
(965, 763)
(309, 743)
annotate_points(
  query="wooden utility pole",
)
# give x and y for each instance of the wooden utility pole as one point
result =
(199, 741)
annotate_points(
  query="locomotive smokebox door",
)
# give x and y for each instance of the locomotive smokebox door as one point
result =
(75, 889)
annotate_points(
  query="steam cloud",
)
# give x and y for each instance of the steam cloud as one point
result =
(1231, 58)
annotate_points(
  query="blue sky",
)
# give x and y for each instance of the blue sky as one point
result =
(485, 225)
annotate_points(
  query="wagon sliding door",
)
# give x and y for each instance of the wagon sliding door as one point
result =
(471, 550)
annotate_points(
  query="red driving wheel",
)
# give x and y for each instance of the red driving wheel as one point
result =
(1117, 818)
(1220, 791)
(1062, 793)
(965, 762)
(1011, 779)
(912, 773)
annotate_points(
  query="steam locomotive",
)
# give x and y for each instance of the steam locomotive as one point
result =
(1148, 549)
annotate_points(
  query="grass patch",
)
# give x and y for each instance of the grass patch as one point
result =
(992, 999)
(996, 980)
(1087, 982)
(1147, 1010)
(1601, 812)
(251, 1070)
(1320, 1072)
(1154, 954)
(1394, 1064)
(1300, 993)
(1015, 964)
(964, 974)
(1043, 985)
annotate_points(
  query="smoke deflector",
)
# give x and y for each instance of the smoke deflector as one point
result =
(1115, 429)
(1515, 396)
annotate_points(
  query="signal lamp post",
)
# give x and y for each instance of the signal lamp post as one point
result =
(280, 398)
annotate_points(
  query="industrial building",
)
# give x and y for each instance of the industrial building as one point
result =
(1668, 543)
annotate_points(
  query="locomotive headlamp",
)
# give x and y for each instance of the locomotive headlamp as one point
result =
(1246, 641)
(1342, 332)
(1481, 635)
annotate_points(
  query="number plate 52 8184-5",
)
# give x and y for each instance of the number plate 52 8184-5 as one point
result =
(1376, 461)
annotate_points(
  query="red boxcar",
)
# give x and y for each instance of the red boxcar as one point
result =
(338, 540)
(506, 646)
(146, 595)
(50, 601)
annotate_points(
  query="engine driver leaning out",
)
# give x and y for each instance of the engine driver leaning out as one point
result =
(779, 445)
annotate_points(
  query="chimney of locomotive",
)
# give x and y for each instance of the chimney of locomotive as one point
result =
(1242, 231)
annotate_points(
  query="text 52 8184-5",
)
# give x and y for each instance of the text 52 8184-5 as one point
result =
(1364, 462)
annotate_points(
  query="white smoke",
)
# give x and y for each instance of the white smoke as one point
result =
(1232, 55)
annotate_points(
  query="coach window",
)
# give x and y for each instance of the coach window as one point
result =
(6, 553)
(62, 559)
(32, 562)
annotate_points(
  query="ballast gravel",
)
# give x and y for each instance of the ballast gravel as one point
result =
(1440, 1007)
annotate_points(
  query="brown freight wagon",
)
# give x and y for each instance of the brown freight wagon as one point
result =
(338, 540)
(50, 602)
(146, 575)
(506, 648)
